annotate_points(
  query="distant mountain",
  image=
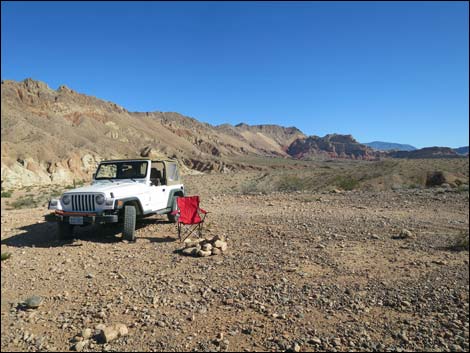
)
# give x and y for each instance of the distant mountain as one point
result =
(427, 152)
(331, 146)
(462, 150)
(389, 146)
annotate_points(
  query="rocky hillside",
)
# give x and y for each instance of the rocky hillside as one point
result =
(59, 135)
(331, 146)
(278, 138)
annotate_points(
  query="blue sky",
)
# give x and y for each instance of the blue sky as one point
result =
(394, 71)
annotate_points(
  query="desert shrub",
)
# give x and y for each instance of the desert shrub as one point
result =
(346, 182)
(435, 179)
(5, 256)
(6, 193)
(69, 187)
(460, 242)
(24, 202)
(291, 183)
(56, 193)
(249, 188)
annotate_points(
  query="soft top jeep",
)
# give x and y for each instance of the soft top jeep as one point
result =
(121, 192)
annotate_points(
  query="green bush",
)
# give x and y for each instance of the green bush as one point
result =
(249, 188)
(5, 256)
(460, 242)
(6, 194)
(25, 202)
(291, 183)
(346, 182)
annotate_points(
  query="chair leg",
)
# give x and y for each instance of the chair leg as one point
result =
(179, 231)
(189, 231)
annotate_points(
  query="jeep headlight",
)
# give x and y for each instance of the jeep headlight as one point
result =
(66, 199)
(99, 199)
(53, 204)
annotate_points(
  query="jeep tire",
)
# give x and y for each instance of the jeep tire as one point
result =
(128, 231)
(65, 231)
(172, 218)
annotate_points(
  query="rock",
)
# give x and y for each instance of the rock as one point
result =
(207, 247)
(122, 330)
(404, 234)
(439, 262)
(202, 253)
(190, 251)
(86, 333)
(375, 236)
(296, 348)
(220, 244)
(80, 345)
(315, 340)
(34, 302)
(216, 251)
(100, 327)
(109, 334)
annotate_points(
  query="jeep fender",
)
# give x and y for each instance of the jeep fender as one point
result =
(172, 194)
(130, 201)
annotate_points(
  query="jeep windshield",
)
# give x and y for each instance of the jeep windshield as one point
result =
(122, 170)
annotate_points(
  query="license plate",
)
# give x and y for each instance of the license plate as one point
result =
(76, 220)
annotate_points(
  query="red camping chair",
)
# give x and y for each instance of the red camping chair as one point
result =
(188, 215)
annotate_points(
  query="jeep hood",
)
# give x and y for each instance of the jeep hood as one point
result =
(119, 188)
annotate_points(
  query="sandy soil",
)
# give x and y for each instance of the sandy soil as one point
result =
(304, 271)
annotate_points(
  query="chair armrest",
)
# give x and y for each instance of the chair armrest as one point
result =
(203, 211)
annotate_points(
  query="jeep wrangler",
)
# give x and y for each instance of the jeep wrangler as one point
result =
(121, 192)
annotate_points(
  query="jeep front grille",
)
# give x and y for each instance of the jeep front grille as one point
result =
(83, 202)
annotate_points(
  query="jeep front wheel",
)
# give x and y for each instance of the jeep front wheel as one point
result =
(65, 231)
(128, 232)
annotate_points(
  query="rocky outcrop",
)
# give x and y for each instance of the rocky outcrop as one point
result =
(331, 146)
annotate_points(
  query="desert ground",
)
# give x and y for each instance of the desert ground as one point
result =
(370, 265)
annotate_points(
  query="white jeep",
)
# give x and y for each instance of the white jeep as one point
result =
(121, 191)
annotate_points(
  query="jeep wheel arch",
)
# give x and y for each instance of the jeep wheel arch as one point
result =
(171, 197)
(132, 201)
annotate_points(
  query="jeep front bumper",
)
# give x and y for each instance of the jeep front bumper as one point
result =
(77, 218)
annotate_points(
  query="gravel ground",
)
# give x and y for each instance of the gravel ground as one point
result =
(303, 272)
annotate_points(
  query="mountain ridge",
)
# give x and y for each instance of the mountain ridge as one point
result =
(56, 136)
(388, 146)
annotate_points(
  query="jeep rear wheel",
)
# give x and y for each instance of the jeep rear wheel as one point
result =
(172, 218)
(64, 230)
(128, 232)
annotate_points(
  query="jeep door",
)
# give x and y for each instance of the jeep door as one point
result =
(158, 189)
